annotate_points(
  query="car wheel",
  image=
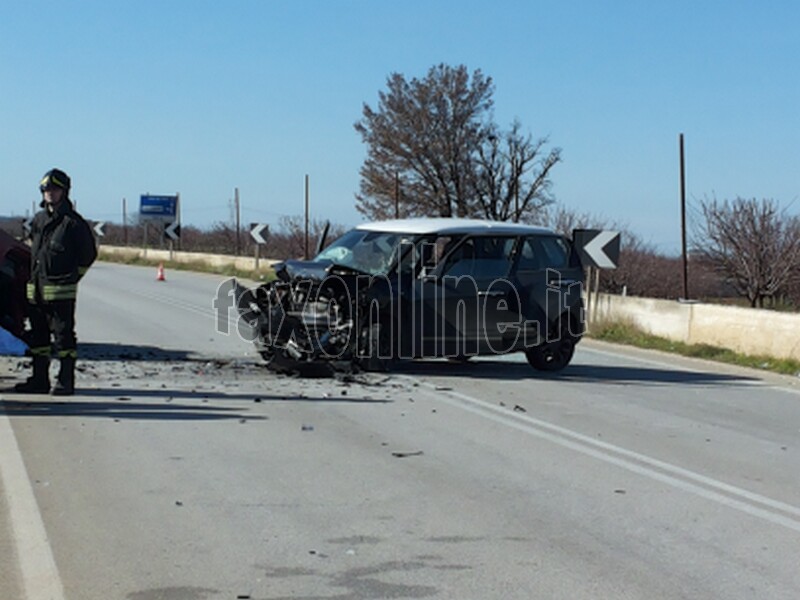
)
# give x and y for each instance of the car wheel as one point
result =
(378, 355)
(268, 355)
(551, 356)
(274, 362)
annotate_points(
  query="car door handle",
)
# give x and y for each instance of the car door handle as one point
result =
(492, 293)
(562, 282)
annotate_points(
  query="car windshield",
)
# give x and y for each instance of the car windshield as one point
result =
(372, 252)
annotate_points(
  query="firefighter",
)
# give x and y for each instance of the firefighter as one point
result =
(62, 250)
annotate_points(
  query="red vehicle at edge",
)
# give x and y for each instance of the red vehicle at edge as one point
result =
(15, 261)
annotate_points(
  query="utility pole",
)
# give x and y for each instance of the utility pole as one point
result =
(305, 251)
(238, 219)
(125, 222)
(683, 222)
(516, 192)
(178, 217)
(396, 194)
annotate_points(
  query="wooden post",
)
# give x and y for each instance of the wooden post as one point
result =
(596, 295)
(588, 303)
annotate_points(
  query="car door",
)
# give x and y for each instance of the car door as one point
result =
(549, 278)
(467, 297)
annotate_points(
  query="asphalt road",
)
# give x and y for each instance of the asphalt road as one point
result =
(184, 471)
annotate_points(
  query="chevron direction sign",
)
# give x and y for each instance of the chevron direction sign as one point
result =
(597, 248)
(173, 230)
(257, 232)
(98, 228)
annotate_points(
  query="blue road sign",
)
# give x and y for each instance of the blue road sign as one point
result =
(158, 207)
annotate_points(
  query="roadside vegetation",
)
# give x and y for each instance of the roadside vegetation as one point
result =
(264, 274)
(621, 332)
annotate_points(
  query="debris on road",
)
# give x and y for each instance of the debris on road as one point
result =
(407, 454)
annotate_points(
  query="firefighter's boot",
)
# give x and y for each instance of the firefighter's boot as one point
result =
(39, 382)
(65, 384)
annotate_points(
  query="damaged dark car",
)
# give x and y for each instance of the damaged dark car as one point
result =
(422, 288)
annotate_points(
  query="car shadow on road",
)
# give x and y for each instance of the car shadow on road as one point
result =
(119, 410)
(580, 373)
(165, 404)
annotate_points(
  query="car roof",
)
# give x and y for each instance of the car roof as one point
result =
(445, 225)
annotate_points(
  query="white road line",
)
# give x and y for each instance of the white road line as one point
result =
(40, 577)
(209, 312)
(774, 511)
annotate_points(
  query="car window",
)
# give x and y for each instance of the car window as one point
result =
(370, 252)
(543, 252)
(481, 257)
(430, 250)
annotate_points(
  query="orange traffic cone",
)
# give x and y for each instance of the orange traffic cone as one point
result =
(160, 273)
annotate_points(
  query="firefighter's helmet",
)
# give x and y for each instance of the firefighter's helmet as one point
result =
(55, 177)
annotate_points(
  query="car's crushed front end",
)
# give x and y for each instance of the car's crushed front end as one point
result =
(311, 313)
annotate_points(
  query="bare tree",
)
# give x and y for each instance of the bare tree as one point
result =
(427, 131)
(288, 241)
(433, 141)
(565, 220)
(753, 243)
(512, 175)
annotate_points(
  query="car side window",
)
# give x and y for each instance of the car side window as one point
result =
(543, 252)
(431, 250)
(481, 258)
(556, 252)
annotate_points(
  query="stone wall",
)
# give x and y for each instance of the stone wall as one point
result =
(746, 330)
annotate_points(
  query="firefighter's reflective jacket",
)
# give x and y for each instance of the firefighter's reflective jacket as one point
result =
(62, 250)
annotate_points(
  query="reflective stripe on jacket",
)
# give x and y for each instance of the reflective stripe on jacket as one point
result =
(50, 292)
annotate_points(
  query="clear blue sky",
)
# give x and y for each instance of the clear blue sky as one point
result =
(200, 97)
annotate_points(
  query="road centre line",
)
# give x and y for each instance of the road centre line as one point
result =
(774, 511)
(40, 577)
(209, 311)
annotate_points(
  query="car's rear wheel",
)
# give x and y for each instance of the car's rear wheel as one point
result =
(553, 356)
